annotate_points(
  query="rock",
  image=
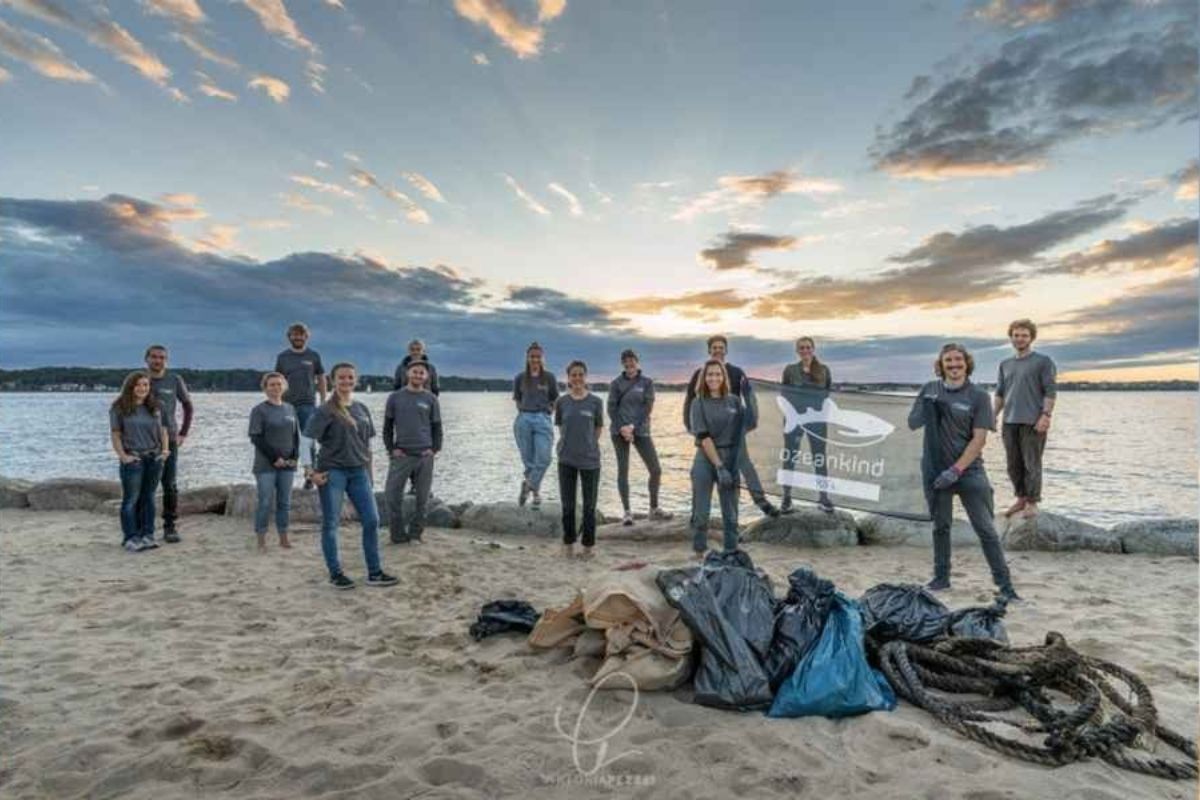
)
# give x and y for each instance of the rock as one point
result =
(111, 508)
(242, 499)
(205, 500)
(671, 530)
(14, 492)
(72, 494)
(1160, 537)
(805, 528)
(509, 518)
(876, 529)
(459, 508)
(1049, 531)
(442, 517)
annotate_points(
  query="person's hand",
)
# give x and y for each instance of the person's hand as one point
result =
(398, 453)
(427, 452)
(127, 458)
(180, 439)
(948, 478)
(280, 462)
(724, 478)
(164, 455)
(1043, 424)
(289, 463)
(319, 478)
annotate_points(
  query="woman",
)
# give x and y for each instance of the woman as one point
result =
(630, 402)
(534, 391)
(717, 420)
(957, 415)
(813, 380)
(275, 432)
(579, 414)
(140, 441)
(342, 429)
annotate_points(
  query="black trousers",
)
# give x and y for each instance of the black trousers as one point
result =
(568, 477)
(1023, 446)
(645, 449)
(170, 488)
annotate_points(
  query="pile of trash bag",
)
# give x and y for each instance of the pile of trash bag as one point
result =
(503, 616)
(912, 613)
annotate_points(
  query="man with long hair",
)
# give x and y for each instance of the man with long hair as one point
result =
(1025, 394)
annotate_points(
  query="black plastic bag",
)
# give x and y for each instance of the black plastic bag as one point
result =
(729, 610)
(799, 621)
(979, 622)
(903, 611)
(504, 616)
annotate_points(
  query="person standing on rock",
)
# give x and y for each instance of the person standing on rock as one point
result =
(140, 441)
(416, 352)
(814, 379)
(275, 433)
(534, 391)
(412, 436)
(342, 429)
(957, 416)
(171, 391)
(717, 420)
(301, 368)
(579, 415)
(1025, 395)
(630, 403)
(739, 387)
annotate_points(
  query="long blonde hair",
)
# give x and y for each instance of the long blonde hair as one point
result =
(702, 390)
(333, 405)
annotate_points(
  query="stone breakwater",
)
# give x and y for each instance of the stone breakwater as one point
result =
(808, 528)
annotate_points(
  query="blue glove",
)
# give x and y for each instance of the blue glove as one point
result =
(948, 478)
(724, 478)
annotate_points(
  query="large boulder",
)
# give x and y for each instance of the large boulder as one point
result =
(805, 528)
(72, 494)
(506, 517)
(1160, 537)
(14, 492)
(1054, 532)
(678, 529)
(242, 499)
(205, 500)
(876, 529)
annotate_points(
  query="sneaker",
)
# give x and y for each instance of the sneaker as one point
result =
(537, 500)
(132, 545)
(171, 535)
(767, 509)
(628, 519)
(308, 484)
(148, 543)
(524, 495)
(826, 505)
(658, 513)
(938, 584)
(1007, 594)
(340, 581)
(381, 578)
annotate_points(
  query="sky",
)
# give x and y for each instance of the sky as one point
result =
(481, 174)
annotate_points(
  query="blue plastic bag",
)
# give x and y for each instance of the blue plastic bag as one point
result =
(834, 678)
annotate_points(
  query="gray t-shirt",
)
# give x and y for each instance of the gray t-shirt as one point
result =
(1024, 383)
(535, 394)
(140, 431)
(280, 430)
(342, 446)
(720, 417)
(959, 412)
(579, 420)
(170, 390)
(301, 370)
(629, 403)
(409, 418)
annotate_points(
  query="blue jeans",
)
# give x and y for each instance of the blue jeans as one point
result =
(356, 483)
(138, 483)
(303, 415)
(534, 432)
(277, 482)
(704, 478)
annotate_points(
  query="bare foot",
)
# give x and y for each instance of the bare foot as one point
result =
(1015, 507)
(262, 543)
(1031, 510)
(283, 541)
(586, 553)
(698, 555)
(568, 551)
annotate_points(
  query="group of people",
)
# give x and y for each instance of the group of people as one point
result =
(311, 421)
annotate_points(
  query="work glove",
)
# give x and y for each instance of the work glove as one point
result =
(948, 478)
(724, 478)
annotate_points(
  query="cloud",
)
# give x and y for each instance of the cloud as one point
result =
(321, 186)
(180, 199)
(851, 209)
(550, 9)
(352, 157)
(1170, 244)
(41, 55)
(741, 191)
(219, 238)
(481, 59)
(412, 211)
(270, 224)
(203, 51)
(522, 38)
(5, 75)
(276, 20)
(1069, 76)
(530, 203)
(573, 205)
(302, 203)
(735, 249)
(181, 12)
(319, 164)
(1023, 13)
(424, 186)
(704, 306)
(102, 33)
(1188, 180)
(276, 89)
(210, 89)
(603, 197)
(557, 308)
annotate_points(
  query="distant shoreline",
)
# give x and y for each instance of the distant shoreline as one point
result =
(108, 381)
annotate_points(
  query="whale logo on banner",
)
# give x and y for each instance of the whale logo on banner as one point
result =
(849, 428)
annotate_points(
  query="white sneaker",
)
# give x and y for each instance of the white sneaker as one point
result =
(659, 514)
(148, 543)
(132, 545)
(628, 520)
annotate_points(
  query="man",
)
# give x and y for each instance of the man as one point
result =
(739, 385)
(171, 391)
(416, 352)
(412, 436)
(302, 368)
(1025, 394)
(956, 416)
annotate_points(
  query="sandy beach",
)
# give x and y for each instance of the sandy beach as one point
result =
(206, 670)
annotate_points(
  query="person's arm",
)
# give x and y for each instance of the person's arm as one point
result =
(435, 387)
(688, 398)
(710, 451)
(998, 400)
(259, 440)
(389, 428)
(437, 436)
(972, 451)
(751, 419)
(558, 417)
(916, 415)
(185, 400)
(1048, 378)
(553, 390)
(119, 448)
(166, 439)
(611, 404)
(397, 382)
(516, 394)
(599, 418)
